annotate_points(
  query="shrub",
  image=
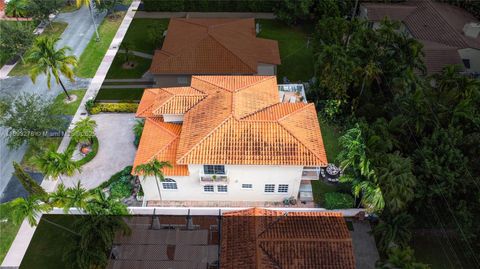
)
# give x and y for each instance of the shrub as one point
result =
(89, 105)
(335, 200)
(121, 189)
(114, 107)
(120, 184)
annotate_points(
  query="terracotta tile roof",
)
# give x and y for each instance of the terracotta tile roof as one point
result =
(260, 238)
(239, 120)
(160, 140)
(213, 46)
(436, 25)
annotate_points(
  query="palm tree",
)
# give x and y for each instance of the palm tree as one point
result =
(103, 205)
(30, 208)
(77, 197)
(153, 168)
(89, 4)
(84, 130)
(59, 197)
(55, 164)
(16, 8)
(50, 61)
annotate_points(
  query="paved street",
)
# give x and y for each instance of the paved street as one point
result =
(77, 35)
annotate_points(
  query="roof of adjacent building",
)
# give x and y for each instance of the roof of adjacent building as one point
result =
(260, 238)
(213, 46)
(229, 120)
(438, 26)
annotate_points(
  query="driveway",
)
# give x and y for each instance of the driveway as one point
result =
(116, 150)
(78, 33)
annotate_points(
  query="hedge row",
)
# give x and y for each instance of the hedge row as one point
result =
(113, 107)
(210, 5)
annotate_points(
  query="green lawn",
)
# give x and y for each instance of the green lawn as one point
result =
(117, 71)
(8, 229)
(138, 34)
(93, 54)
(44, 143)
(48, 244)
(22, 69)
(295, 54)
(319, 188)
(330, 135)
(61, 108)
(120, 94)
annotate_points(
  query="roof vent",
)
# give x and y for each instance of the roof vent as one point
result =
(471, 29)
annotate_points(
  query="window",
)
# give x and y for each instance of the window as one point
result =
(169, 184)
(182, 80)
(208, 188)
(247, 186)
(466, 63)
(214, 169)
(269, 187)
(222, 188)
(283, 188)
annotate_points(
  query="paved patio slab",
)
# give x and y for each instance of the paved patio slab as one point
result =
(116, 149)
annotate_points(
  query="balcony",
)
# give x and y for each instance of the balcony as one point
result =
(211, 179)
(311, 173)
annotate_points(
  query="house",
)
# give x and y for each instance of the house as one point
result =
(449, 34)
(260, 238)
(229, 138)
(212, 47)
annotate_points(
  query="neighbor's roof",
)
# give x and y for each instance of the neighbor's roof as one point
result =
(233, 120)
(213, 46)
(260, 238)
(438, 26)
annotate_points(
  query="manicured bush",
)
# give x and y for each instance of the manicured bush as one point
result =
(210, 6)
(114, 107)
(335, 200)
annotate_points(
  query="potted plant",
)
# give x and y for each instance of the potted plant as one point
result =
(83, 133)
(214, 177)
(140, 194)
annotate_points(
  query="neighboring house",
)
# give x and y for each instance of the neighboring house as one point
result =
(212, 47)
(260, 238)
(229, 138)
(450, 35)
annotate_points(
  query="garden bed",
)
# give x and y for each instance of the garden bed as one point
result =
(114, 108)
(89, 156)
(122, 185)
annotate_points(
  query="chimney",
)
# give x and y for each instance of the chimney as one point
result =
(471, 29)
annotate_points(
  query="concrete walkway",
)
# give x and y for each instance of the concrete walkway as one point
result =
(364, 247)
(19, 246)
(138, 53)
(115, 136)
(165, 15)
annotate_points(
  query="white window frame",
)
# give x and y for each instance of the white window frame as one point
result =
(283, 186)
(250, 188)
(269, 192)
(215, 172)
(169, 181)
(213, 188)
(226, 188)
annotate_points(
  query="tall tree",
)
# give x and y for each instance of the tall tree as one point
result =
(394, 231)
(28, 117)
(56, 164)
(153, 168)
(50, 61)
(30, 185)
(77, 197)
(90, 5)
(16, 8)
(15, 38)
(29, 208)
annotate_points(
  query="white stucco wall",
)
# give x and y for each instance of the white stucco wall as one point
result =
(190, 187)
(173, 118)
(474, 56)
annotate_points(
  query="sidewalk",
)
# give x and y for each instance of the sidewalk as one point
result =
(165, 15)
(19, 246)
